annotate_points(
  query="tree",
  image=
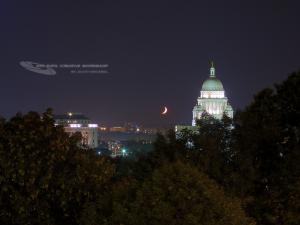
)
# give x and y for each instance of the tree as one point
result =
(267, 152)
(45, 177)
(177, 193)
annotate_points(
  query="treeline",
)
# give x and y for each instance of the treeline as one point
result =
(240, 172)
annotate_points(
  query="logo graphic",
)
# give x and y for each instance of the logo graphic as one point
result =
(53, 69)
(38, 68)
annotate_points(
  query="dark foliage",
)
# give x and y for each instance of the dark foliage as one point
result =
(45, 178)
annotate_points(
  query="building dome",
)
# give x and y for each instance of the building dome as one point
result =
(212, 84)
(212, 99)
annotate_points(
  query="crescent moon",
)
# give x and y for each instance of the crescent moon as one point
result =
(165, 111)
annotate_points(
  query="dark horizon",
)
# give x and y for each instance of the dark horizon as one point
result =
(158, 55)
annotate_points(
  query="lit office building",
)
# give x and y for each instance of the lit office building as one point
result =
(75, 122)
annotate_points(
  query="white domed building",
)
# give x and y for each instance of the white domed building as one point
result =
(212, 99)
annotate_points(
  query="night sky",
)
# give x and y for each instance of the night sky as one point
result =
(158, 54)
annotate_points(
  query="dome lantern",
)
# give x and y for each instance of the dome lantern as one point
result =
(212, 69)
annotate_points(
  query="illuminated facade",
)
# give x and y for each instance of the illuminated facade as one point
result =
(89, 134)
(74, 122)
(212, 99)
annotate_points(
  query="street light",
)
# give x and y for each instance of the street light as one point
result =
(123, 151)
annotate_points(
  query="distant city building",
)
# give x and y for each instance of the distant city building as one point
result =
(155, 130)
(117, 129)
(128, 127)
(131, 127)
(102, 128)
(212, 99)
(71, 118)
(115, 147)
(179, 128)
(76, 122)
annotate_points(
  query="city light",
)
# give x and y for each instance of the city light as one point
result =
(93, 125)
(124, 152)
(75, 125)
